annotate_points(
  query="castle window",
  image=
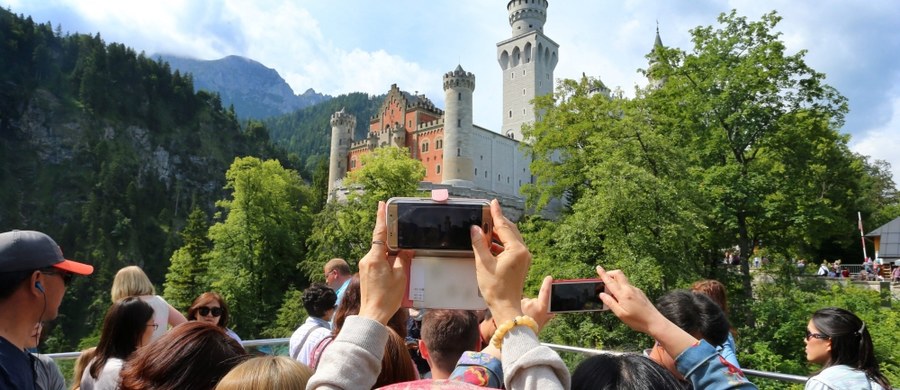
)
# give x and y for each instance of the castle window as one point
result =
(459, 96)
(507, 180)
(523, 72)
(439, 143)
(438, 169)
(520, 183)
(476, 171)
(352, 163)
(511, 134)
(340, 141)
(481, 157)
(523, 91)
(523, 111)
(424, 146)
(512, 75)
(459, 123)
(498, 177)
(457, 152)
(485, 174)
(510, 113)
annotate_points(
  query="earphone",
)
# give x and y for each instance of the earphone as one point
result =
(39, 286)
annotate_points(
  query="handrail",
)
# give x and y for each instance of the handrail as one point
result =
(557, 347)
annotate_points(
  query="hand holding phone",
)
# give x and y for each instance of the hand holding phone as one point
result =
(576, 295)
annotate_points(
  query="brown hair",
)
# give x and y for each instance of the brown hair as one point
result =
(396, 365)
(713, 289)
(449, 333)
(86, 356)
(267, 373)
(205, 299)
(193, 355)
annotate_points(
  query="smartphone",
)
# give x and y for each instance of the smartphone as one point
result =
(578, 295)
(436, 228)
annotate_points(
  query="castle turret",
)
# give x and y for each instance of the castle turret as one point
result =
(656, 81)
(458, 169)
(527, 60)
(342, 125)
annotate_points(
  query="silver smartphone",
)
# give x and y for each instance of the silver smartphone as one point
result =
(434, 228)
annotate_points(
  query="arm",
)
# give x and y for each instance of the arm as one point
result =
(707, 370)
(501, 279)
(175, 316)
(353, 360)
(728, 351)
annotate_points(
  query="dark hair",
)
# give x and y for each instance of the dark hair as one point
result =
(205, 299)
(695, 313)
(350, 304)
(11, 281)
(318, 299)
(851, 343)
(193, 355)
(449, 333)
(123, 328)
(396, 365)
(626, 371)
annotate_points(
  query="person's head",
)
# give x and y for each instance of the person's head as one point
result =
(319, 300)
(350, 304)
(33, 269)
(193, 355)
(396, 365)
(446, 334)
(83, 359)
(715, 290)
(131, 281)
(837, 336)
(337, 271)
(266, 373)
(694, 313)
(128, 325)
(209, 307)
(626, 371)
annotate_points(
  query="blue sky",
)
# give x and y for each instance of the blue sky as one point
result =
(344, 46)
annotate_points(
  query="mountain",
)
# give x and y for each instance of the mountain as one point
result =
(256, 91)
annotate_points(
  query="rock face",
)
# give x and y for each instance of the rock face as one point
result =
(256, 91)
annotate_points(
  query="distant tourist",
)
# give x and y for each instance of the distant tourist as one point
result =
(128, 325)
(337, 276)
(319, 301)
(209, 307)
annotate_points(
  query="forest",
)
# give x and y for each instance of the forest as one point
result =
(736, 146)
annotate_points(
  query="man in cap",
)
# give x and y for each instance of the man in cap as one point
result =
(33, 279)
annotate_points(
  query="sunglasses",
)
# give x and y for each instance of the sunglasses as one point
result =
(155, 326)
(205, 311)
(816, 336)
(66, 276)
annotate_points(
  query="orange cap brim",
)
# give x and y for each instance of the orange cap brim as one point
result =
(75, 267)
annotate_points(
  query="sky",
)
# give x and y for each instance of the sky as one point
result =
(343, 46)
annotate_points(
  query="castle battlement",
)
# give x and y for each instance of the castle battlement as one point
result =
(425, 125)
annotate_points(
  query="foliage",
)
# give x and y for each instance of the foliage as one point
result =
(344, 229)
(258, 240)
(291, 315)
(188, 267)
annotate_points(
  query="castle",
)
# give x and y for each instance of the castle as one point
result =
(469, 160)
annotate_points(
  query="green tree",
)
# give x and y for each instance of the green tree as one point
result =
(187, 277)
(259, 242)
(344, 228)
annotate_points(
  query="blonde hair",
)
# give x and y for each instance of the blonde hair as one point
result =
(266, 373)
(86, 356)
(131, 281)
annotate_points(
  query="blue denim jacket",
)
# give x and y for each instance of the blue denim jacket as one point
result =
(706, 369)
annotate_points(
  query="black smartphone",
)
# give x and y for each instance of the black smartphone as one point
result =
(577, 295)
(436, 228)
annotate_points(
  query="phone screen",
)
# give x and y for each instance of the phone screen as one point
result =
(436, 226)
(576, 296)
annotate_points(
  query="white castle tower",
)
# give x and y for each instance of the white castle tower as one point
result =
(458, 128)
(342, 126)
(527, 61)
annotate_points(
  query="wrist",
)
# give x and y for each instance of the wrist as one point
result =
(375, 314)
(505, 313)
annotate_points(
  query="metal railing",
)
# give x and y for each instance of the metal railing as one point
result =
(262, 345)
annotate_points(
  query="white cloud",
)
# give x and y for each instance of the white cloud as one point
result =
(883, 142)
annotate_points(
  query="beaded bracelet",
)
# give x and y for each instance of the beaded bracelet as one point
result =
(504, 328)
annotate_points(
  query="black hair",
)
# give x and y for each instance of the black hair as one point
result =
(695, 313)
(10, 281)
(626, 371)
(123, 327)
(317, 299)
(851, 343)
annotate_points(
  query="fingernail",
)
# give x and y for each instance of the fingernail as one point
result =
(600, 269)
(475, 231)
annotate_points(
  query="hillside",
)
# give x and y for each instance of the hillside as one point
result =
(256, 91)
(108, 152)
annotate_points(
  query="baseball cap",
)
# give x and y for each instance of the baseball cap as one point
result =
(25, 250)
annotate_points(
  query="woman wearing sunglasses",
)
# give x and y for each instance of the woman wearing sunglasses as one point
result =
(840, 342)
(128, 325)
(210, 307)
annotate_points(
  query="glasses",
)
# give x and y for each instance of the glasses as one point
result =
(205, 311)
(816, 336)
(66, 276)
(155, 326)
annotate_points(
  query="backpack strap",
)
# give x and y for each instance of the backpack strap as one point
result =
(316, 353)
(296, 353)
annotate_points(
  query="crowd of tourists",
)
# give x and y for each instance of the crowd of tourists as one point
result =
(357, 336)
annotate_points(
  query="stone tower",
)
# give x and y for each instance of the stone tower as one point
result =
(342, 126)
(527, 61)
(458, 128)
(656, 81)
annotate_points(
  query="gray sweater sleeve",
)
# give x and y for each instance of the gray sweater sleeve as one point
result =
(353, 360)
(529, 365)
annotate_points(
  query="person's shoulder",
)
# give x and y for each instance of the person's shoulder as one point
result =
(841, 376)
